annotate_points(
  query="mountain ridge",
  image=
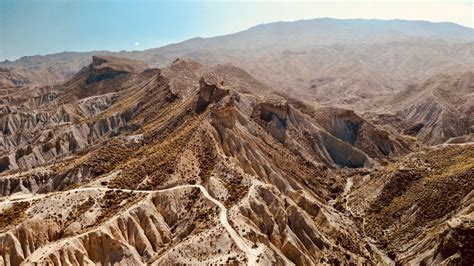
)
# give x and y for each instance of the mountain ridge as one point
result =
(451, 24)
(274, 146)
(206, 141)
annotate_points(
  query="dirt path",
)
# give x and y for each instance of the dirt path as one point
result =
(251, 253)
(444, 145)
(347, 191)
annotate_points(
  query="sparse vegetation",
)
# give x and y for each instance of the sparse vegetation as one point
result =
(431, 185)
(156, 161)
(78, 211)
(13, 215)
(313, 168)
(111, 203)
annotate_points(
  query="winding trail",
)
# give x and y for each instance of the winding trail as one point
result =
(444, 145)
(251, 253)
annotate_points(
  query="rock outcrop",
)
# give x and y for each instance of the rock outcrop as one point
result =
(211, 90)
(274, 116)
(103, 169)
(439, 109)
(9, 77)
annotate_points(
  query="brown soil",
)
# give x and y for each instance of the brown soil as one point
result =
(13, 215)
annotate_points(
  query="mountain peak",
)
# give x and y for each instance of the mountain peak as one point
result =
(116, 63)
(109, 69)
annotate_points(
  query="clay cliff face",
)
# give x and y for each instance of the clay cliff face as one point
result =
(43, 123)
(401, 73)
(194, 164)
(440, 109)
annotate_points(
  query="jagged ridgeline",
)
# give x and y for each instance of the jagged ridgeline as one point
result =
(107, 167)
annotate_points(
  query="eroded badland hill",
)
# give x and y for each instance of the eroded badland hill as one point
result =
(211, 162)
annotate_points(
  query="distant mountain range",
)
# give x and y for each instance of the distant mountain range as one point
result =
(318, 142)
(328, 31)
(302, 34)
(348, 63)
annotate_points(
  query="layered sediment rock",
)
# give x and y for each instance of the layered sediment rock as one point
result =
(101, 162)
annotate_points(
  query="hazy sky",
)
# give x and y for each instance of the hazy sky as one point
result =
(51, 26)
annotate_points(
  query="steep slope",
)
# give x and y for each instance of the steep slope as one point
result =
(343, 63)
(315, 162)
(420, 209)
(43, 123)
(9, 78)
(51, 69)
(161, 133)
(189, 164)
(440, 109)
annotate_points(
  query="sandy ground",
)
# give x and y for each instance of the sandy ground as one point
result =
(251, 253)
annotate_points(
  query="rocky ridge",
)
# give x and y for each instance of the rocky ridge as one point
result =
(119, 143)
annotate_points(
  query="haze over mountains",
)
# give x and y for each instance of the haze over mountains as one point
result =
(320, 141)
(353, 63)
(281, 36)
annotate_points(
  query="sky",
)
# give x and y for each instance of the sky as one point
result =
(32, 27)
